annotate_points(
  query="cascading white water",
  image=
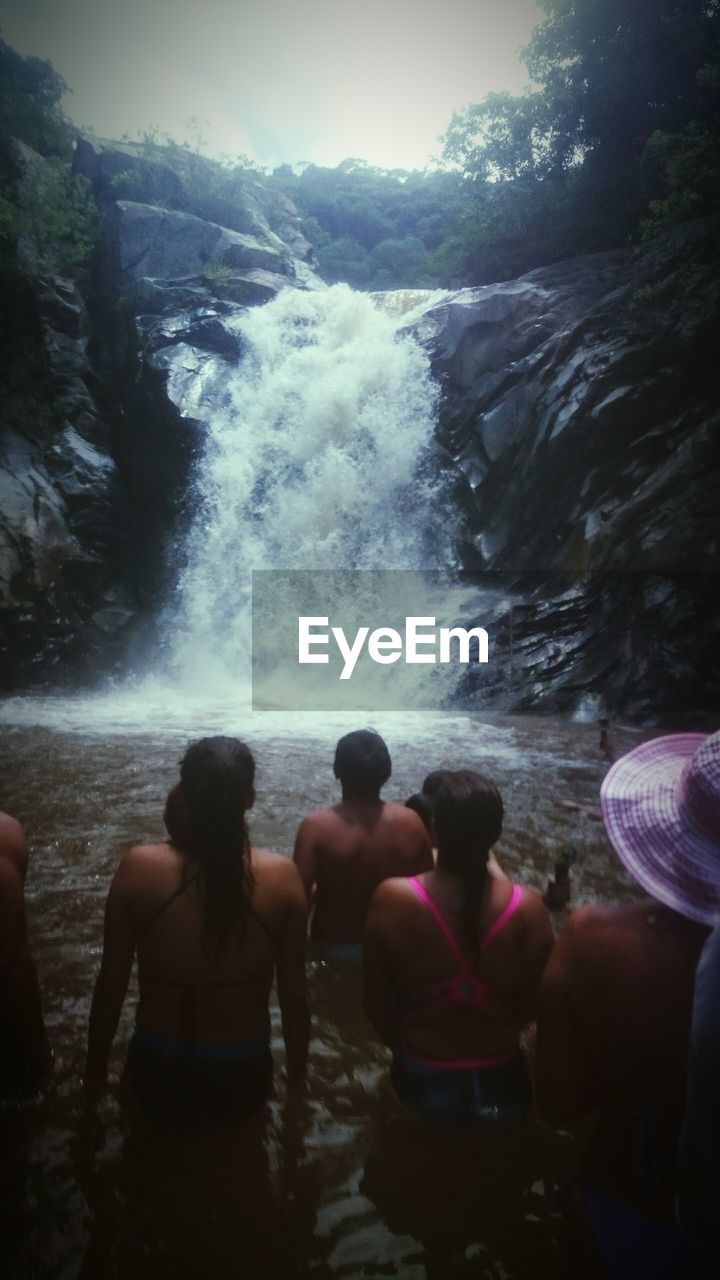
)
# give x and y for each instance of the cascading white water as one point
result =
(311, 462)
(315, 444)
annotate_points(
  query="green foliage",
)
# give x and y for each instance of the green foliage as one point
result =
(57, 219)
(30, 95)
(621, 136)
(48, 218)
(215, 190)
(686, 168)
(376, 228)
(502, 138)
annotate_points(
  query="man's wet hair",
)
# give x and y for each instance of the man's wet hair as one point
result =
(433, 783)
(362, 762)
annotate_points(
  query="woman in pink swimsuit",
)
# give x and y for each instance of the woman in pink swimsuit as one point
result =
(453, 961)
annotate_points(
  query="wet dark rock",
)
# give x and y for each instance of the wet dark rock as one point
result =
(59, 486)
(95, 456)
(201, 327)
(581, 405)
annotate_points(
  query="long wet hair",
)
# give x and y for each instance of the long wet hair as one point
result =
(205, 818)
(468, 813)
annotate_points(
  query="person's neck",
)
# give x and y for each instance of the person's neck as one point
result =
(361, 799)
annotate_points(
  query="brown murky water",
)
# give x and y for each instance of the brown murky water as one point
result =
(342, 1184)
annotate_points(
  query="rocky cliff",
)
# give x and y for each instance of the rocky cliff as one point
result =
(581, 406)
(94, 457)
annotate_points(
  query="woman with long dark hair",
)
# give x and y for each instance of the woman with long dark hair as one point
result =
(453, 961)
(212, 920)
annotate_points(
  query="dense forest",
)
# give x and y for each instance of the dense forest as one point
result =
(619, 139)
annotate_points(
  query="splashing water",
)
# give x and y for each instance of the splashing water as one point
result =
(318, 455)
(313, 461)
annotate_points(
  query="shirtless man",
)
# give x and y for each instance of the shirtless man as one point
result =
(343, 853)
(25, 1057)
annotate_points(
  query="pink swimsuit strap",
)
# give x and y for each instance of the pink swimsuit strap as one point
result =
(454, 989)
(505, 915)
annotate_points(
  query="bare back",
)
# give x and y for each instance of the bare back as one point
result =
(345, 852)
(617, 998)
(187, 989)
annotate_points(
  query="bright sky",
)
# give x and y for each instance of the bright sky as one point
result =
(280, 80)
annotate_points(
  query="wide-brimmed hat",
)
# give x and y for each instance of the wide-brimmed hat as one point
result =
(661, 809)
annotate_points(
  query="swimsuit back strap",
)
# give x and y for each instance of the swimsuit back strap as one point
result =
(168, 902)
(442, 924)
(509, 910)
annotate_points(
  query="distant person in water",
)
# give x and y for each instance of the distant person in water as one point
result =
(617, 998)
(423, 802)
(344, 852)
(212, 920)
(557, 894)
(433, 783)
(453, 960)
(422, 806)
(25, 1054)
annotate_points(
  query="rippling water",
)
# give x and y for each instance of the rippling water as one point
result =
(343, 1184)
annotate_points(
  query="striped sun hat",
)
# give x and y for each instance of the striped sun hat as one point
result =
(661, 809)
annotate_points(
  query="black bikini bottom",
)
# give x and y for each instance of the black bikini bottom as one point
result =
(220, 1084)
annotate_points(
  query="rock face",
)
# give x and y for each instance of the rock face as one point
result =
(155, 241)
(581, 406)
(60, 590)
(94, 455)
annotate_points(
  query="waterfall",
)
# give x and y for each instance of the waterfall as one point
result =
(318, 455)
(313, 460)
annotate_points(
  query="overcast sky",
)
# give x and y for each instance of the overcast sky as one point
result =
(279, 80)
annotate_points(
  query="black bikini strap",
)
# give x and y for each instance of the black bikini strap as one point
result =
(185, 885)
(262, 924)
(168, 901)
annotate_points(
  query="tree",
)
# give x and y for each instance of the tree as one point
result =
(622, 123)
(502, 138)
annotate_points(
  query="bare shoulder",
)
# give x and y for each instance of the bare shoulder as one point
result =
(400, 817)
(275, 868)
(141, 861)
(395, 889)
(596, 919)
(11, 831)
(144, 855)
(13, 844)
(316, 823)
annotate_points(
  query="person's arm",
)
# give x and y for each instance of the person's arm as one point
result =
(560, 1073)
(305, 856)
(113, 978)
(378, 1000)
(538, 945)
(20, 1004)
(291, 980)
